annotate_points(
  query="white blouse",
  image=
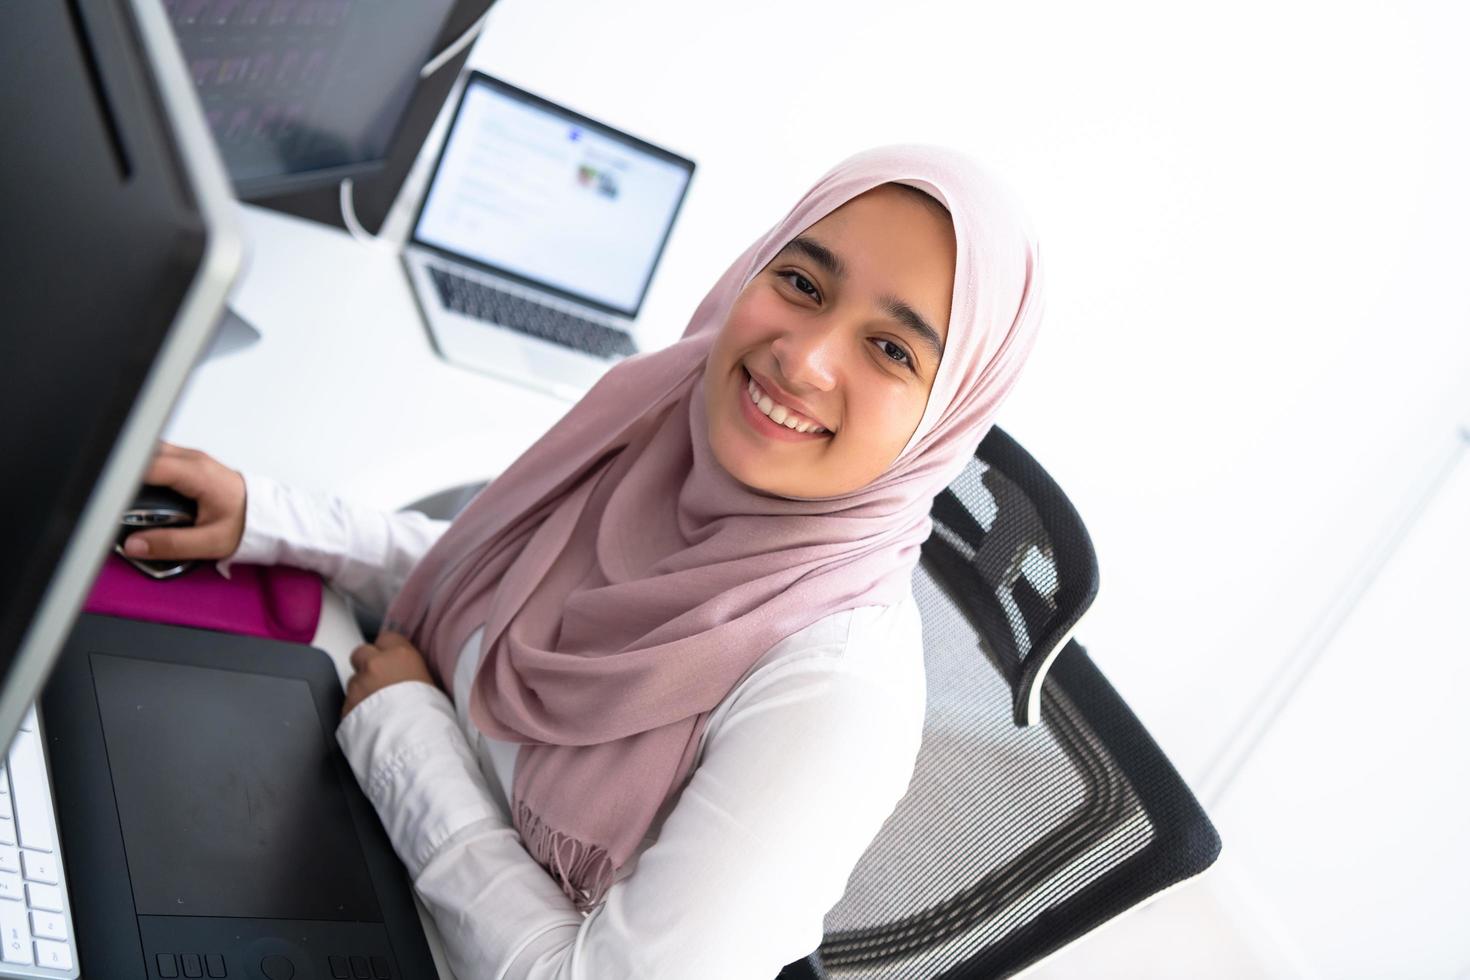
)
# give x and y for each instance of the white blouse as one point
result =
(797, 770)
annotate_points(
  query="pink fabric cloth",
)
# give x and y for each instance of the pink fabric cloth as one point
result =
(627, 582)
(274, 601)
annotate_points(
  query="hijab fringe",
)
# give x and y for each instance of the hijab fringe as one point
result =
(584, 871)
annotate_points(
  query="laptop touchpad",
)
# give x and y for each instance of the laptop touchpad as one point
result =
(228, 794)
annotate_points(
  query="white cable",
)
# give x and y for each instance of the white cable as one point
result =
(459, 44)
(349, 215)
(344, 189)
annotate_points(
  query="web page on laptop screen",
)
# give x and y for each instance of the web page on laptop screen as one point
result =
(541, 196)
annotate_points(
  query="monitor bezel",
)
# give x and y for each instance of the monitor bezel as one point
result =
(260, 188)
(476, 76)
(221, 257)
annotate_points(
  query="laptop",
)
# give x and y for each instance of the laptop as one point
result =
(538, 236)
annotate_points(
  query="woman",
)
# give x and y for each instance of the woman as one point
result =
(684, 658)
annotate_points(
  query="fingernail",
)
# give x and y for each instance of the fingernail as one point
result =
(135, 546)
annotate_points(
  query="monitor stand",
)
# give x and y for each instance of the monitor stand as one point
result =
(233, 333)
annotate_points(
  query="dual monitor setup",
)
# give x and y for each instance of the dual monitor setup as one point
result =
(173, 802)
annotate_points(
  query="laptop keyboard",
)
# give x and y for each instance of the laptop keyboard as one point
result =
(35, 914)
(472, 298)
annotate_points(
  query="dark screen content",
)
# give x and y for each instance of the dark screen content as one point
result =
(228, 795)
(295, 88)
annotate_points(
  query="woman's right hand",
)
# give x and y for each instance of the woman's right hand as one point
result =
(220, 494)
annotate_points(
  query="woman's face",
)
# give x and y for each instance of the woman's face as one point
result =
(843, 329)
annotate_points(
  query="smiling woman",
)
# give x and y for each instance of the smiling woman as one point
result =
(705, 502)
(640, 708)
(843, 330)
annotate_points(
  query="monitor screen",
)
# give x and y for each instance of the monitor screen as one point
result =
(531, 189)
(298, 92)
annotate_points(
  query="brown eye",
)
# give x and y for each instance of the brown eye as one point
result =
(903, 355)
(801, 283)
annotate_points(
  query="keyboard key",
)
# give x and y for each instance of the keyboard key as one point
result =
(475, 299)
(7, 833)
(15, 934)
(55, 955)
(31, 792)
(10, 859)
(10, 886)
(48, 925)
(39, 867)
(46, 897)
(214, 965)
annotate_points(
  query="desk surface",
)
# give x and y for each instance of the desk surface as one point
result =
(344, 392)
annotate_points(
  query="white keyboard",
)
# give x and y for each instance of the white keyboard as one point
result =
(35, 912)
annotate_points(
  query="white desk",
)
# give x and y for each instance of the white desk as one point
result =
(343, 392)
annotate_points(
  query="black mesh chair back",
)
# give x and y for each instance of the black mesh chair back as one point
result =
(1039, 807)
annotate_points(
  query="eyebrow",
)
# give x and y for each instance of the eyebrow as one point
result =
(832, 264)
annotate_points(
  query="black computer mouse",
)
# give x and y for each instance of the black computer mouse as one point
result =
(157, 506)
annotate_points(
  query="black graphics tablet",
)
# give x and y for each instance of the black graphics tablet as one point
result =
(209, 819)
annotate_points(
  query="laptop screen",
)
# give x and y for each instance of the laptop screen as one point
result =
(555, 199)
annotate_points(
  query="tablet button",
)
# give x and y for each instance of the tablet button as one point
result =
(192, 966)
(277, 968)
(214, 965)
(339, 967)
(167, 965)
(380, 968)
(360, 968)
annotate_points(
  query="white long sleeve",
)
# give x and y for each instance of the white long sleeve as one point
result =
(799, 767)
(362, 552)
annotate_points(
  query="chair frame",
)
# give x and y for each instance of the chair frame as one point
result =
(1119, 758)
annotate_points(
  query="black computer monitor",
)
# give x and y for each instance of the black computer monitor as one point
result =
(300, 94)
(304, 92)
(409, 80)
(119, 245)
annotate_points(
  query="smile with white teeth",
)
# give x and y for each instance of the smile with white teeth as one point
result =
(779, 413)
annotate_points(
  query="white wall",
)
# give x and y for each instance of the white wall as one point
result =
(1255, 224)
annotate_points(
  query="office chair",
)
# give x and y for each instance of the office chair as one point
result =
(1039, 807)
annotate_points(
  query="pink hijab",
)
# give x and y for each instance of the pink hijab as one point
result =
(627, 583)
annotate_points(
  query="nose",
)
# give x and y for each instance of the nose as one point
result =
(808, 356)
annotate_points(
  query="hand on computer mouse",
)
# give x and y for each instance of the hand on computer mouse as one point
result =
(219, 493)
